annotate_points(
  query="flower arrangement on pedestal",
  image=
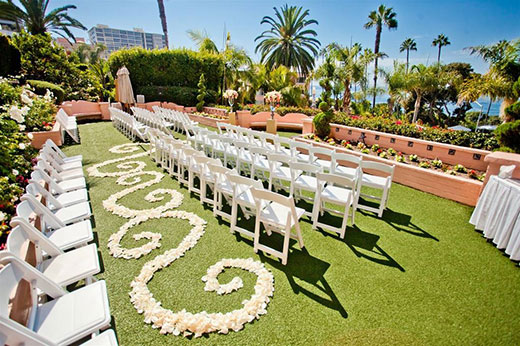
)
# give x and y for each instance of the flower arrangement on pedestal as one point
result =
(230, 95)
(273, 99)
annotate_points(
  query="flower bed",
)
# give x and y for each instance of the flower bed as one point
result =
(208, 119)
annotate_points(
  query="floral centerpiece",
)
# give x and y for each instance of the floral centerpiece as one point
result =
(231, 95)
(273, 99)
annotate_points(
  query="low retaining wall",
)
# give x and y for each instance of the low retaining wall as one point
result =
(291, 121)
(40, 137)
(447, 153)
(212, 122)
(455, 188)
(85, 110)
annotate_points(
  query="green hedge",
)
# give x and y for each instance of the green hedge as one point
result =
(11, 61)
(509, 135)
(478, 140)
(282, 110)
(168, 68)
(40, 88)
(180, 95)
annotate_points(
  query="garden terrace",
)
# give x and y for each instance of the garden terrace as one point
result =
(457, 287)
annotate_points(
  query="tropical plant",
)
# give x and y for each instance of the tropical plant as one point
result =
(103, 80)
(441, 41)
(202, 93)
(508, 134)
(289, 41)
(383, 16)
(88, 53)
(421, 80)
(492, 85)
(349, 71)
(408, 45)
(34, 16)
(164, 24)
(203, 42)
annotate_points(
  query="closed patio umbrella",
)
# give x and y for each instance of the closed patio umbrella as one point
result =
(124, 92)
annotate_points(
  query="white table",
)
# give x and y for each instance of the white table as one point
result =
(497, 214)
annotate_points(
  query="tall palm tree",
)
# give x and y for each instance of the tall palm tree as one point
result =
(202, 40)
(383, 16)
(34, 16)
(289, 41)
(349, 70)
(420, 81)
(440, 41)
(408, 45)
(366, 58)
(162, 15)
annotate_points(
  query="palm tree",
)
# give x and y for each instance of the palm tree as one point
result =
(162, 15)
(90, 53)
(349, 70)
(381, 17)
(408, 45)
(289, 41)
(420, 81)
(440, 41)
(34, 16)
(202, 40)
(365, 58)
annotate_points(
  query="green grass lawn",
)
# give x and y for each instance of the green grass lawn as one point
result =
(419, 275)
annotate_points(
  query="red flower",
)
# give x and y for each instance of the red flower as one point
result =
(2, 206)
(398, 122)
(355, 117)
(379, 151)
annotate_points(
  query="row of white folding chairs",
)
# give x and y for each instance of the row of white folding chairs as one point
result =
(152, 119)
(127, 124)
(68, 125)
(179, 119)
(56, 197)
(367, 173)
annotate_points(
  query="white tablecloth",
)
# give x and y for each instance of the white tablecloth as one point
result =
(497, 214)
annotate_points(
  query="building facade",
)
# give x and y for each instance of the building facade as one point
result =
(68, 45)
(115, 39)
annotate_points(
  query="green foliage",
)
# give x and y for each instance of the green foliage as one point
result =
(41, 87)
(322, 123)
(202, 93)
(9, 92)
(282, 111)
(169, 68)
(460, 169)
(180, 95)
(513, 111)
(508, 135)
(10, 58)
(479, 140)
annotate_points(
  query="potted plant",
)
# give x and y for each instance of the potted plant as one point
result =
(273, 99)
(231, 96)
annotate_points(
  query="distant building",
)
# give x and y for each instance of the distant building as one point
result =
(115, 39)
(8, 27)
(68, 46)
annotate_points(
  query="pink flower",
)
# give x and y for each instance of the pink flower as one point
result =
(398, 122)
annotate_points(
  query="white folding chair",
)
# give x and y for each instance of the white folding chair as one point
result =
(321, 157)
(300, 151)
(337, 190)
(57, 185)
(278, 214)
(303, 179)
(260, 165)
(208, 178)
(64, 268)
(346, 165)
(242, 198)
(223, 189)
(63, 197)
(69, 317)
(279, 171)
(50, 143)
(379, 176)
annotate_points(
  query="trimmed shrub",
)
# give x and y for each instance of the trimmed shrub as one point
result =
(41, 87)
(168, 68)
(180, 95)
(513, 111)
(508, 135)
(282, 111)
(202, 93)
(10, 62)
(322, 124)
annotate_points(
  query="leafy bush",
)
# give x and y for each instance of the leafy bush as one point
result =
(169, 68)
(9, 91)
(10, 65)
(479, 140)
(513, 111)
(282, 111)
(180, 95)
(460, 169)
(508, 135)
(202, 93)
(41, 87)
(322, 123)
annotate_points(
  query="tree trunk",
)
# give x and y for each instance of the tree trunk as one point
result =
(416, 108)
(506, 102)
(347, 96)
(162, 15)
(376, 52)
(439, 55)
(407, 59)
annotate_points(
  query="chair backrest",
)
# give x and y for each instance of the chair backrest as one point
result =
(304, 168)
(35, 189)
(388, 170)
(17, 241)
(263, 197)
(50, 143)
(354, 160)
(241, 183)
(35, 236)
(274, 158)
(46, 216)
(40, 175)
(336, 180)
(315, 151)
(299, 146)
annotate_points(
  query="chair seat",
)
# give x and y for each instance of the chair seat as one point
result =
(71, 174)
(323, 163)
(261, 164)
(306, 182)
(282, 172)
(336, 194)
(246, 198)
(345, 171)
(74, 315)
(73, 213)
(72, 197)
(275, 213)
(226, 188)
(302, 157)
(373, 181)
(72, 266)
(73, 184)
(71, 236)
(71, 165)
(246, 157)
(284, 150)
(69, 159)
(107, 338)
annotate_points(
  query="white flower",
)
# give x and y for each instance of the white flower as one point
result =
(16, 114)
(25, 110)
(30, 136)
(15, 172)
(230, 94)
(26, 99)
(49, 96)
(21, 127)
(21, 146)
(2, 216)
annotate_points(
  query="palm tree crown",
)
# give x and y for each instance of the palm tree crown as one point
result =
(202, 40)
(33, 14)
(383, 16)
(440, 41)
(289, 41)
(408, 45)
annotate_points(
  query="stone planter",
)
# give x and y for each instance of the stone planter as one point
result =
(40, 137)
(232, 118)
(271, 126)
(211, 122)
(451, 187)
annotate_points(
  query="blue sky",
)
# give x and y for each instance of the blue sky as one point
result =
(466, 23)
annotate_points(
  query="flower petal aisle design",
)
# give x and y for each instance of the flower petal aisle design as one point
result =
(167, 321)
